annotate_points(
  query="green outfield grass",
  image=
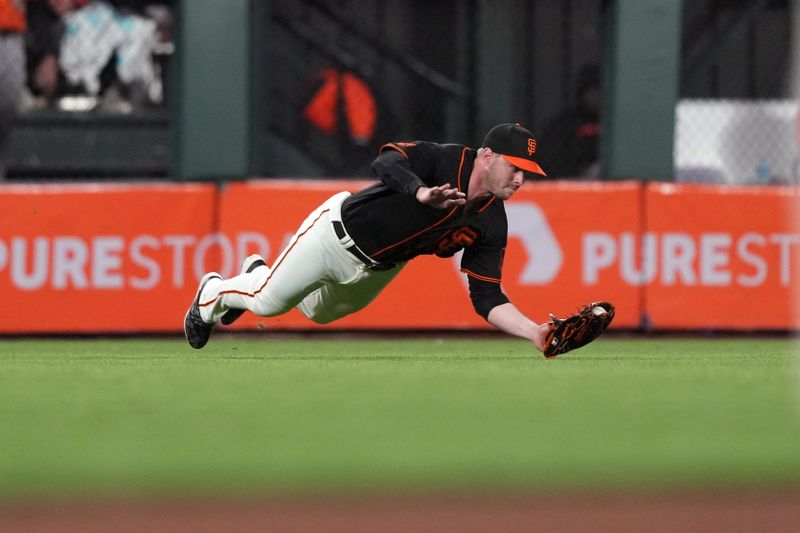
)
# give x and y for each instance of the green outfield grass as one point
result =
(258, 415)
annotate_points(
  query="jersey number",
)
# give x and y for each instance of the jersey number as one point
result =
(455, 240)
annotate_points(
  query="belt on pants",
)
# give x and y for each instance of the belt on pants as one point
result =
(341, 234)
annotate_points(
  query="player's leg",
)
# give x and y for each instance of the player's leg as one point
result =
(333, 301)
(249, 265)
(312, 258)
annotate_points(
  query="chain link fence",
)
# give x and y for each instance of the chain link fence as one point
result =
(343, 76)
(376, 71)
(94, 101)
(356, 74)
(737, 141)
(737, 119)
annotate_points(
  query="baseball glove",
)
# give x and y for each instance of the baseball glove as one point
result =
(578, 330)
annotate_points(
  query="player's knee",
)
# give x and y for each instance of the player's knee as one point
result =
(265, 307)
(315, 315)
(321, 319)
(319, 313)
(319, 316)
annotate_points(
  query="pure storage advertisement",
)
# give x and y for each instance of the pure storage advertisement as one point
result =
(127, 258)
(104, 258)
(721, 257)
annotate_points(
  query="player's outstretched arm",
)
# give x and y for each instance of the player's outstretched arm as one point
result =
(509, 319)
(559, 336)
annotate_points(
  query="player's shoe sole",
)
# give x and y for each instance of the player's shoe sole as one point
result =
(250, 264)
(197, 331)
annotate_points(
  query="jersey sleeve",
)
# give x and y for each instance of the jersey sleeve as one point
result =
(483, 264)
(405, 167)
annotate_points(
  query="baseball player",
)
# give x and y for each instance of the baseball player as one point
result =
(430, 199)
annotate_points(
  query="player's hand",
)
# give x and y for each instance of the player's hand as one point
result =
(441, 197)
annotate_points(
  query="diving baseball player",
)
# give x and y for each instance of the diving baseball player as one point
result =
(430, 199)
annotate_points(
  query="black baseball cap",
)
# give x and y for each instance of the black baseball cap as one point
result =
(515, 144)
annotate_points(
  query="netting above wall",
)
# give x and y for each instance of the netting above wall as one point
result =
(356, 74)
(343, 77)
(735, 122)
(737, 141)
(95, 102)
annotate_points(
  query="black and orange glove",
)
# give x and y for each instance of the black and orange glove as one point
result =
(578, 330)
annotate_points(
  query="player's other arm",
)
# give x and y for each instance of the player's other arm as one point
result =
(397, 172)
(394, 170)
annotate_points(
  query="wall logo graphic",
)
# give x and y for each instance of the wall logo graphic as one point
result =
(528, 223)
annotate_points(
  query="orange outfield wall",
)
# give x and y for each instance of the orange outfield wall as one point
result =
(126, 258)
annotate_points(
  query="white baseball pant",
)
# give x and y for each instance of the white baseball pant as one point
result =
(315, 273)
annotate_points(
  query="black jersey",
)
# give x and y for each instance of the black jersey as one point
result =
(389, 224)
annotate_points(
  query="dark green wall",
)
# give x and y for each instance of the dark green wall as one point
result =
(641, 89)
(213, 102)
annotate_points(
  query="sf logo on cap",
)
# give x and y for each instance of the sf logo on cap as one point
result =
(531, 146)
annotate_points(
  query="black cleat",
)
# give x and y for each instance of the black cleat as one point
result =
(251, 263)
(196, 329)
